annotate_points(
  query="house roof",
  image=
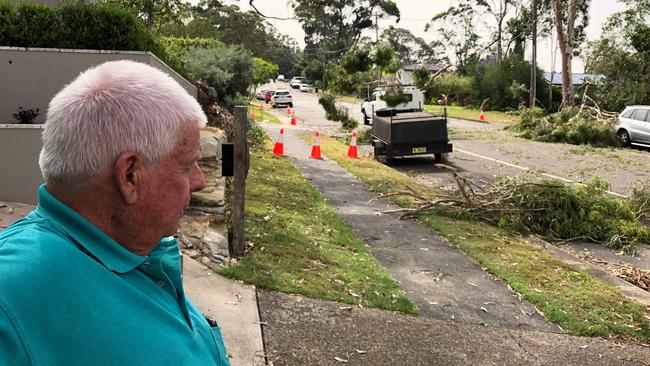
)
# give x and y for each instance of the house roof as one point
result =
(429, 67)
(576, 78)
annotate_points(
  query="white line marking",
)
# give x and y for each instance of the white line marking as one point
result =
(531, 170)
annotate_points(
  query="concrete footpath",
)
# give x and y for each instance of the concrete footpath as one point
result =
(468, 317)
(443, 282)
(233, 305)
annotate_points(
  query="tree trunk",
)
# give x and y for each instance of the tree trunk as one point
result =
(533, 61)
(565, 41)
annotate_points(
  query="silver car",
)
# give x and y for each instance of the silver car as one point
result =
(633, 125)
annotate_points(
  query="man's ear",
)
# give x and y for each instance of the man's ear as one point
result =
(129, 171)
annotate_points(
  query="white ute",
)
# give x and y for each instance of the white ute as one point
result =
(375, 102)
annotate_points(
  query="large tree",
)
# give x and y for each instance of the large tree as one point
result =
(571, 19)
(333, 27)
(622, 54)
(156, 13)
(490, 14)
(411, 49)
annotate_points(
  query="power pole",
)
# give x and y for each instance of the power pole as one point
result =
(533, 66)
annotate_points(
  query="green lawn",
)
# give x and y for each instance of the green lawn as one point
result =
(568, 296)
(302, 246)
(472, 114)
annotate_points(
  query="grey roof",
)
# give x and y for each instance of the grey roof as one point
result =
(576, 78)
(429, 67)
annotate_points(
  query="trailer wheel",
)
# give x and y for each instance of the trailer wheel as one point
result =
(438, 157)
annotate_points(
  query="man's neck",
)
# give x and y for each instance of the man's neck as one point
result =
(102, 208)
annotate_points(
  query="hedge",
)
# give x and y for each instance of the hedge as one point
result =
(77, 26)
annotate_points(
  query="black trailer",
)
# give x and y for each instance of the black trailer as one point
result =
(406, 134)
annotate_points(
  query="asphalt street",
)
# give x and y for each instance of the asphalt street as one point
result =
(485, 151)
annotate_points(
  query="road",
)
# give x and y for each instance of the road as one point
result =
(485, 151)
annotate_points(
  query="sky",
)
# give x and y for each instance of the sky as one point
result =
(416, 13)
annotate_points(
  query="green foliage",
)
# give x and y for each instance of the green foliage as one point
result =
(227, 69)
(263, 71)
(342, 82)
(212, 19)
(558, 211)
(506, 84)
(334, 113)
(356, 61)
(459, 89)
(364, 136)
(384, 55)
(566, 126)
(411, 49)
(394, 96)
(75, 25)
(155, 13)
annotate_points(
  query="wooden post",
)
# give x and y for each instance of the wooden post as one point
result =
(237, 246)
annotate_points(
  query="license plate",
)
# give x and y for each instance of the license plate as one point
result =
(419, 150)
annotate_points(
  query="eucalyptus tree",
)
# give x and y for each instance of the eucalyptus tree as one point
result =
(486, 14)
(571, 20)
(411, 49)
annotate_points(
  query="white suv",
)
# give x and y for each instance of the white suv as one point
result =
(296, 81)
(633, 125)
(282, 97)
(376, 102)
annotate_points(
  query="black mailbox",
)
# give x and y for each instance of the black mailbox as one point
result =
(227, 160)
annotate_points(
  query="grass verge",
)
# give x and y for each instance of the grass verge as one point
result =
(302, 246)
(569, 297)
(472, 114)
(261, 115)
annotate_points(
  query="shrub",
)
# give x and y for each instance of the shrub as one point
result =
(227, 69)
(334, 113)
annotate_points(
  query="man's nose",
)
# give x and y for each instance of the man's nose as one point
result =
(197, 180)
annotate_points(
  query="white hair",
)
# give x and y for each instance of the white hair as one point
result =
(109, 109)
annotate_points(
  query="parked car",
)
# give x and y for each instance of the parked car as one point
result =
(282, 97)
(296, 81)
(305, 88)
(633, 126)
(260, 95)
(268, 96)
(374, 103)
(280, 78)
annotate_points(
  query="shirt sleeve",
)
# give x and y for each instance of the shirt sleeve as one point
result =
(12, 348)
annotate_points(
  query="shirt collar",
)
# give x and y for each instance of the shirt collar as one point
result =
(110, 253)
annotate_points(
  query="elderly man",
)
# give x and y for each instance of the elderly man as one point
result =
(92, 276)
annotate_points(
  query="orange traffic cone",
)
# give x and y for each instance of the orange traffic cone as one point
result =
(481, 116)
(293, 119)
(315, 147)
(288, 111)
(278, 149)
(352, 150)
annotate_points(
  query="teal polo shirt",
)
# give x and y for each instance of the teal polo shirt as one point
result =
(71, 295)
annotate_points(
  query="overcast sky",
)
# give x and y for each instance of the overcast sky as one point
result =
(416, 13)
